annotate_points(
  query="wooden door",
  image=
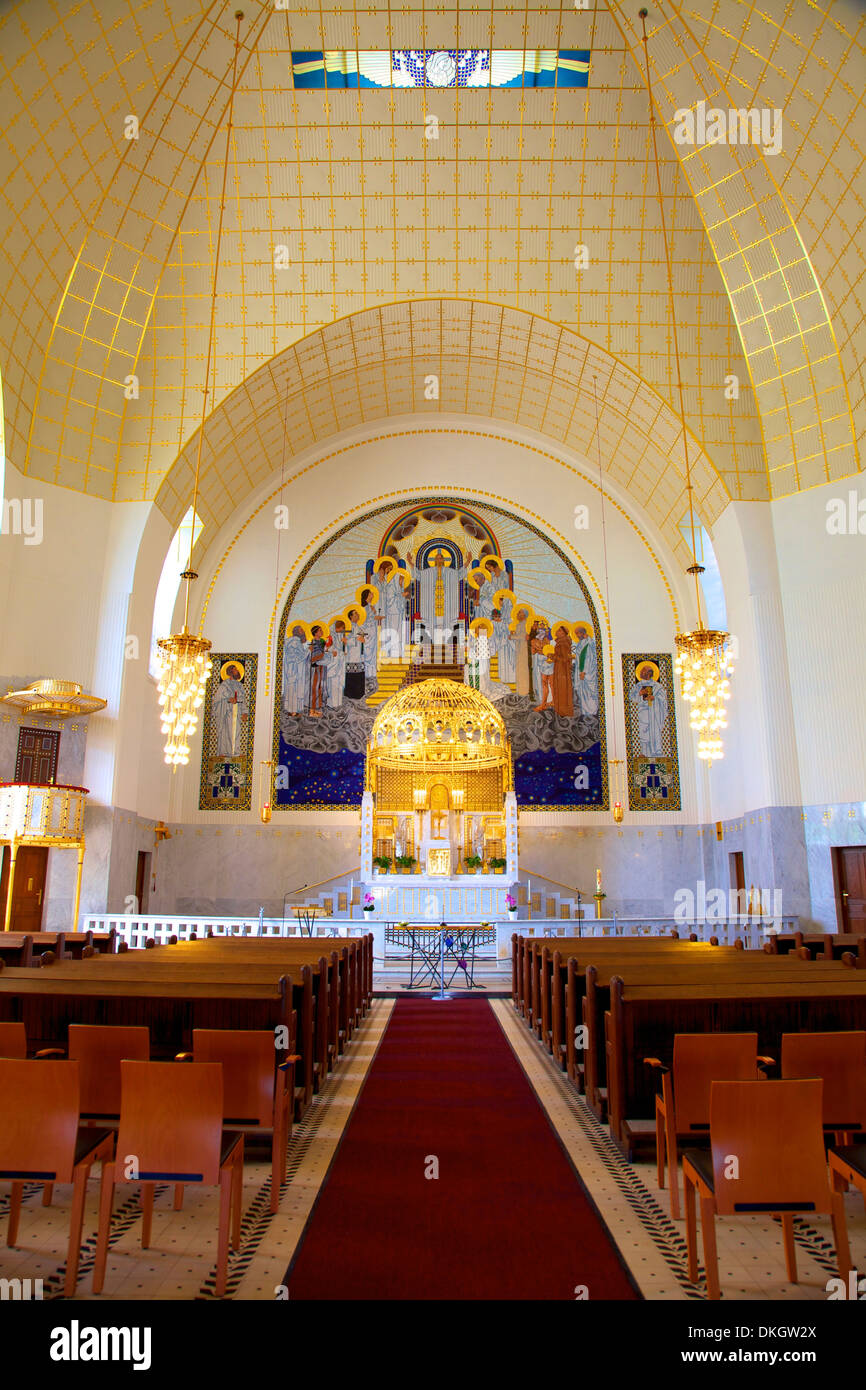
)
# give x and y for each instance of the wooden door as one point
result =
(142, 881)
(851, 887)
(36, 761)
(28, 890)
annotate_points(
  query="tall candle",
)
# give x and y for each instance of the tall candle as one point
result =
(598, 880)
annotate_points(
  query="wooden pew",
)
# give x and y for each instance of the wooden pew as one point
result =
(16, 948)
(145, 976)
(327, 993)
(596, 1001)
(72, 943)
(527, 953)
(47, 1002)
(54, 941)
(643, 1020)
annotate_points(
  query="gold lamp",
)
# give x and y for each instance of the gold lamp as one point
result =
(704, 661)
(55, 699)
(182, 659)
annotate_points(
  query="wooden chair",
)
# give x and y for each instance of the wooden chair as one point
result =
(99, 1050)
(840, 1060)
(40, 1141)
(772, 1131)
(171, 1120)
(13, 1041)
(848, 1165)
(683, 1108)
(258, 1093)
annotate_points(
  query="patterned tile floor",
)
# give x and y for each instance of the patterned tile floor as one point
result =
(180, 1263)
(637, 1214)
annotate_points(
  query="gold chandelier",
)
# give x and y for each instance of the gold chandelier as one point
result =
(704, 661)
(182, 659)
(55, 699)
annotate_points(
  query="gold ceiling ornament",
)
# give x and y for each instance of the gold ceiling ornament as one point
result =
(182, 659)
(54, 698)
(704, 660)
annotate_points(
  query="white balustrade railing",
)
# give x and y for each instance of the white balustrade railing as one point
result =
(136, 928)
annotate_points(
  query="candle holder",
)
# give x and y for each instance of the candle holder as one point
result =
(599, 898)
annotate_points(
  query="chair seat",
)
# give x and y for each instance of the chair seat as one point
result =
(85, 1142)
(702, 1161)
(854, 1155)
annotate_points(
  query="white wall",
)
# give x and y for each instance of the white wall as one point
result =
(823, 598)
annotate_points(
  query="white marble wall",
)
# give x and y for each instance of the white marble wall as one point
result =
(826, 827)
(237, 869)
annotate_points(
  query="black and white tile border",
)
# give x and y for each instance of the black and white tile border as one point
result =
(596, 1157)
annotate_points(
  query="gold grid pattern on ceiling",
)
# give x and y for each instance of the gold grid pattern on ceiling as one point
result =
(491, 362)
(121, 239)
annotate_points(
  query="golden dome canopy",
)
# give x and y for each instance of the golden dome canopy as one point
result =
(439, 727)
(434, 714)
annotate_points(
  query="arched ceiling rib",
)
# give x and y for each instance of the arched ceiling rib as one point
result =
(517, 369)
(371, 213)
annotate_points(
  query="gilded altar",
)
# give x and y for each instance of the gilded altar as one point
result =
(439, 785)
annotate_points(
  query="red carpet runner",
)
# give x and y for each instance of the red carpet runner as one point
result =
(506, 1219)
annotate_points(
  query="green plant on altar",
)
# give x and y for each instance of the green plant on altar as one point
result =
(497, 864)
(405, 861)
(382, 861)
(472, 861)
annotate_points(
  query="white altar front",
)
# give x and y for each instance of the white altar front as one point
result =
(431, 898)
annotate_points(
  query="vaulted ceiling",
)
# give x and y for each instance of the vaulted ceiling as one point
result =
(406, 256)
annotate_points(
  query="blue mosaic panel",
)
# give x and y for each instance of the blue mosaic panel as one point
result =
(652, 763)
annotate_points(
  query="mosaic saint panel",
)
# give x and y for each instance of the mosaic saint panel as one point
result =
(227, 733)
(652, 763)
(440, 588)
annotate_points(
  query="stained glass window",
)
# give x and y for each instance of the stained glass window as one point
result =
(442, 67)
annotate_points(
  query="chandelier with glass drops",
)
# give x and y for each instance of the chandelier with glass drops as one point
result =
(182, 659)
(704, 661)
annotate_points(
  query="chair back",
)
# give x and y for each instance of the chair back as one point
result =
(249, 1059)
(768, 1147)
(99, 1050)
(38, 1119)
(699, 1060)
(13, 1040)
(171, 1122)
(840, 1060)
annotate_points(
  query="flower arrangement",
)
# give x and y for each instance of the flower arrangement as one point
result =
(369, 902)
(510, 902)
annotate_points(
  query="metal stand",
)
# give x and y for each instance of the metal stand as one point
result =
(443, 993)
